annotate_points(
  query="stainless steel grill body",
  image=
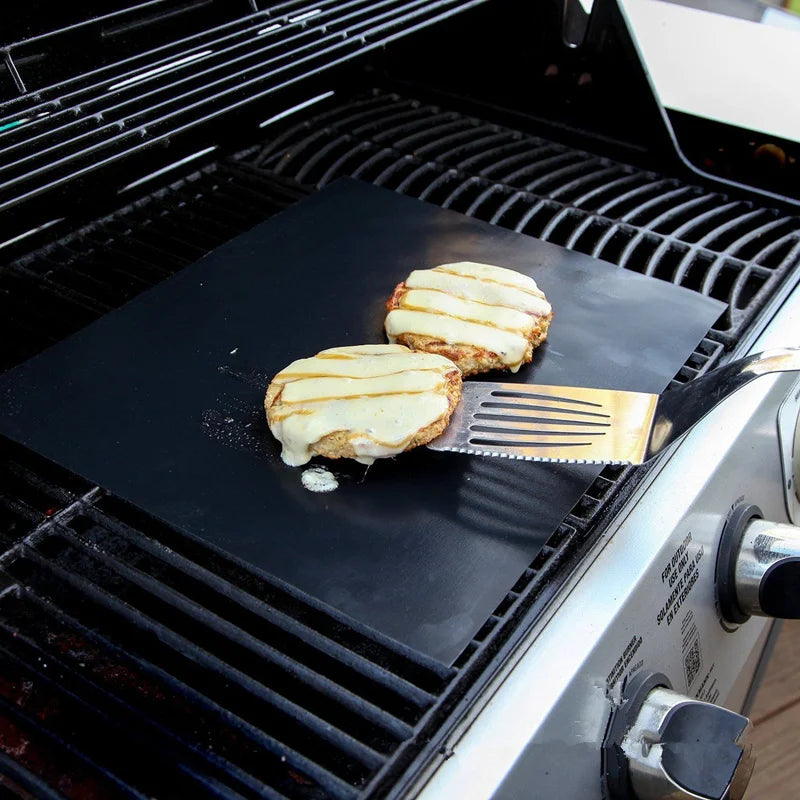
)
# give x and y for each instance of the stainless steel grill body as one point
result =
(122, 642)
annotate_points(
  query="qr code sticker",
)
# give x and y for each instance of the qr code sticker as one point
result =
(692, 662)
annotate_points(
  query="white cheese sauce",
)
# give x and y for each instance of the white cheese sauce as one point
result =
(319, 479)
(381, 396)
(466, 303)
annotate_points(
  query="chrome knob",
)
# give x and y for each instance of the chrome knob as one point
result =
(662, 745)
(796, 459)
(679, 748)
(767, 573)
(758, 567)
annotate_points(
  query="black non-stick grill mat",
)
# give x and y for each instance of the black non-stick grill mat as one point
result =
(160, 402)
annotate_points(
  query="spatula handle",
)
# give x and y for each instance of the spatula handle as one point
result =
(679, 409)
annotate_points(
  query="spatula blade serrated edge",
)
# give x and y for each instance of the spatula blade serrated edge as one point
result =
(523, 457)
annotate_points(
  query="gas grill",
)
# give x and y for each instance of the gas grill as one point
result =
(138, 661)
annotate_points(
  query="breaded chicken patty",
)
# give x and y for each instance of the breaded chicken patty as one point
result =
(363, 402)
(479, 316)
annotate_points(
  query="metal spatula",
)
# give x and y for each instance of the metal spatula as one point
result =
(593, 426)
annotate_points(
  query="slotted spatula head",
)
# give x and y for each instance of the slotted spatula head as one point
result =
(593, 426)
(550, 423)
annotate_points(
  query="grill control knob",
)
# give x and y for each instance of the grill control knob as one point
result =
(665, 746)
(758, 567)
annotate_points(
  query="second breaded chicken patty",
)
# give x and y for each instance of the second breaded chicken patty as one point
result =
(363, 402)
(480, 316)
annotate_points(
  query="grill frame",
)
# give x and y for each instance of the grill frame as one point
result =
(523, 605)
(61, 265)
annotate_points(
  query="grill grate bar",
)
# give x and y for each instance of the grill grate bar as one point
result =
(12, 711)
(423, 672)
(434, 186)
(631, 198)
(206, 608)
(415, 174)
(369, 115)
(602, 174)
(611, 187)
(473, 210)
(562, 215)
(496, 157)
(49, 576)
(362, 171)
(453, 199)
(718, 233)
(337, 166)
(527, 217)
(527, 155)
(684, 267)
(529, 168)
(707, 219)
(660, 223)
(739, 288)
(451, 129)
(488, 143)
(465, 141)
(367, 672)
(662, 199)
(553, 177)
(169, 612)
(319, 156)
(120, 716)
(768, 249)
(410, 129)
(174, 703)
(27, 780)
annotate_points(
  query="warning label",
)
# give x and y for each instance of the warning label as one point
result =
(624, 660)
(680, 574)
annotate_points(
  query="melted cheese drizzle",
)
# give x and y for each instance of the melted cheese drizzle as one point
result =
(319, 479)
(380, 395)
(489, 307)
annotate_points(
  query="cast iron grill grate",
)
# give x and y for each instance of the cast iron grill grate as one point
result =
(217, 681)
(122, 641)
(724, 248)
(149, 643)
(60, 288)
